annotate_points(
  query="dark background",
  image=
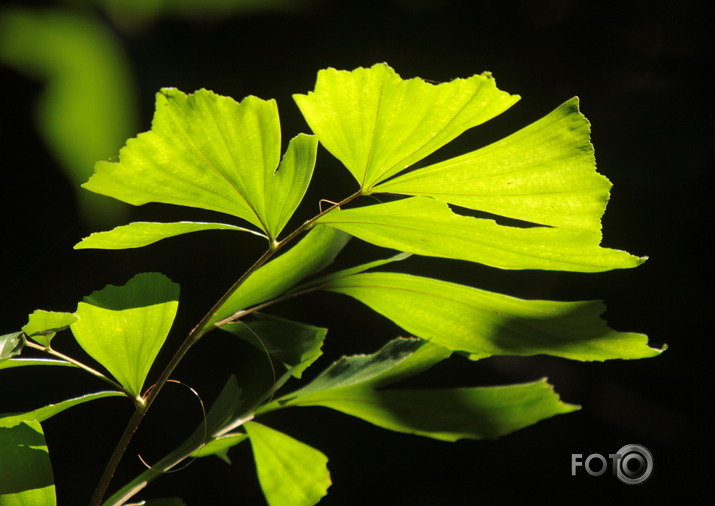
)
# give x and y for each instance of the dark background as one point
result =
(639, 68)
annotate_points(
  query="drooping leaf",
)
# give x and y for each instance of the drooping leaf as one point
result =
(482, 323)
(11, 345)
(142, 233)
(295, 344)
(377, 124)
(544, 174)
(211, 152)
(25, 470)
(123, 327)
(22, 362)
(45, 412)
(291, 473)
(425, 226)
(43, 325)
(446, 414)
(311, 254)
(398, 359)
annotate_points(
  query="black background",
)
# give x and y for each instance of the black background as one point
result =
(639, 68)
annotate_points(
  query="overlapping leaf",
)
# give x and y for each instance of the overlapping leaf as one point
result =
(291, 473)
(123, 327)
(211, 152)
(545, 173)
(425, 226)
(377, 124)
(481, 323)
(43, 325)
(25, 470)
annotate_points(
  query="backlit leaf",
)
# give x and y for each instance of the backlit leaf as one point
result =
(123, 327)
(141, 233)
(377, 124)
(425, 226)
(291, 473)
(45, 412)
(211, 152)
(43, 325)
(481, 323)
(25, 470)
(544, 173)
(295, 344)
(22, 362)
(446, 414)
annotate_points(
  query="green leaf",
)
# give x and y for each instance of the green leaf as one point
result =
(25, 469)
(123, 327)
(43, 325)
(482, 323)
(220, 446)
(142, 233)
(211, 152)
(11, 345)
(22, 362)
(446, 414)
(544, 173)
(291, 473)
(312, 254)
(377, 124)
(45, 412)
(295, 344)
(425, 226)
(398, 359)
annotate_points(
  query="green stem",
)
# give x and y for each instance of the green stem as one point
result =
(199, 330)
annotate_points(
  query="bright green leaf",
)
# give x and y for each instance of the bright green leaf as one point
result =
(312, 254)
(425, 226)
(377, 124)
(25, 469)
(211, 152)
(22, 362)
(544, 173)
(11, 345)
(142, 233)
(45, 412)
(220, 446)
(446, 414)
(291, 473)
(123, 327)
(482, 323)
(43, 325)
(295, 344)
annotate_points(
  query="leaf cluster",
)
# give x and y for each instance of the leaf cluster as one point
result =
(211, 152)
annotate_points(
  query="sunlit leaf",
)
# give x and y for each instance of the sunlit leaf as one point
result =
(311, 254)
(45, 412)
(141, 233)
(22, 362)
(25, 470)
(544, 174)
(377, 124)
(211, 152)
(482, 323)
(446, 414)
(43, 325)
(398, 359)
(291, 473)
(11, 345)
(425, 226)
(295, 344)
(123, 327)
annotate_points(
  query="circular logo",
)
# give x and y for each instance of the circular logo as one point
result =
(635, 464)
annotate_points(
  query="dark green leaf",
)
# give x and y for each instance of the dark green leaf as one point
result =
(11, 345)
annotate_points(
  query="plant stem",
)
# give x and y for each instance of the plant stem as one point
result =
(199, 330)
